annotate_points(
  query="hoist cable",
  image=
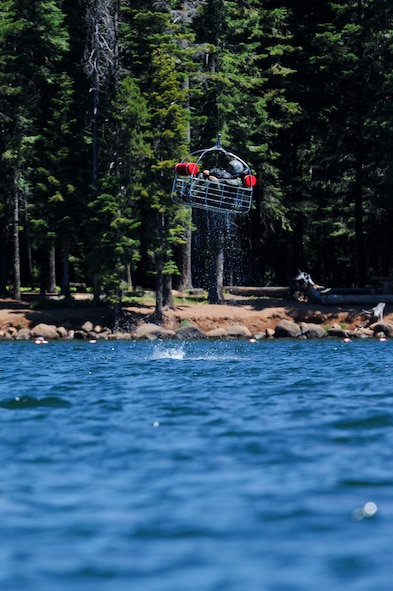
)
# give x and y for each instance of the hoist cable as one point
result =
(218, 67)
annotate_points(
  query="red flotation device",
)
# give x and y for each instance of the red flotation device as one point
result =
(250, 180)
(187, 169)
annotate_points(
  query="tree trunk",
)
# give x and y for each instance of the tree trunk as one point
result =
(44, 273)
(128, 276)
(52, 269)
(96, 288)
(359, 237)
(28, 247)
(216, 261)
(184, 262)
(159, 288)
(361, 263)
(65, 283)
(168, 300)
(3, 262)
(16, 252)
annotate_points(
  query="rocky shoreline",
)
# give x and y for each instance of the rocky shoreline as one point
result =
(237, 317)
(43, 332)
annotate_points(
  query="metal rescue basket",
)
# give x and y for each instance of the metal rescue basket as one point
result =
(193, 188)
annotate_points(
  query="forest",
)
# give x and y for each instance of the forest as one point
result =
(99, 99)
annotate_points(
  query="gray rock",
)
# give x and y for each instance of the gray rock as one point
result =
(337, 331)
(79, 335)
(62, 332)
(286, 329)
(190, 333)
(23, 334)
(382, 327)
(238, 330)
(152, 331)
(312, 331)
(217, 333)
(46, 331)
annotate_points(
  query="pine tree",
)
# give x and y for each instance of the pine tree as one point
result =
(34, 41)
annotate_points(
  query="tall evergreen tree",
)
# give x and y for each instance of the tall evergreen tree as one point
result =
(34, 42)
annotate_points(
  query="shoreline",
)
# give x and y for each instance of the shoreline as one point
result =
(235, 318)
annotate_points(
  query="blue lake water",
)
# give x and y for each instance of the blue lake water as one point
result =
(196, 466)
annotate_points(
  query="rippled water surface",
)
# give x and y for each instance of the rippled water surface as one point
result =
(207, 466)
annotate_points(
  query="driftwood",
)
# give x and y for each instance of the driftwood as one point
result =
(334, 297)
(302, 287)
(376, 312)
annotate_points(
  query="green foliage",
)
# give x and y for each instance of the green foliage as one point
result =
(300, 90)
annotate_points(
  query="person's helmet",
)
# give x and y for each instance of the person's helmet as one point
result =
(235, 167)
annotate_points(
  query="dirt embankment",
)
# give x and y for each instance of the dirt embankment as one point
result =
(256, 314)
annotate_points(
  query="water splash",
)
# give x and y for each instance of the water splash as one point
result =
(168, 353)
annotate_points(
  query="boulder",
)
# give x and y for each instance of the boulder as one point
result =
(361, 333)
(217, 333)
(337, 331)
(9, 332)
(152, 331)
(102, 336)
(238, 330)
(23, 334)
(87, 326)
(79, 335)
(190, 333)
(46, 331)
(287, 329)
(5, 335)
(382, 327)
(312, 330)
(62, 332)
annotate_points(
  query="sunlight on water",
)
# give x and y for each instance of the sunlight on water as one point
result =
(368, 510)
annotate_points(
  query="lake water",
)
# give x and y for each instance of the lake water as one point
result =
(196, 466)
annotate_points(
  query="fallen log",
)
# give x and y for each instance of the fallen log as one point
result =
(359, 300)
(262, 292)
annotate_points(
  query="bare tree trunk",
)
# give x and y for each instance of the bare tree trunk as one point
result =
(128, 276)
(101, 55)
(16, 252)
(184, 263)
(159, 288)
(52, 269)
(3, 262)
(160, 270)
(361, 262)
(65, 283)
(29, 256)
(44, 273)
(168, 300)
(216, 261)
(96, 288)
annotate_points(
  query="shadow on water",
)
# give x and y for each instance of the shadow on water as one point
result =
(26, 402)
